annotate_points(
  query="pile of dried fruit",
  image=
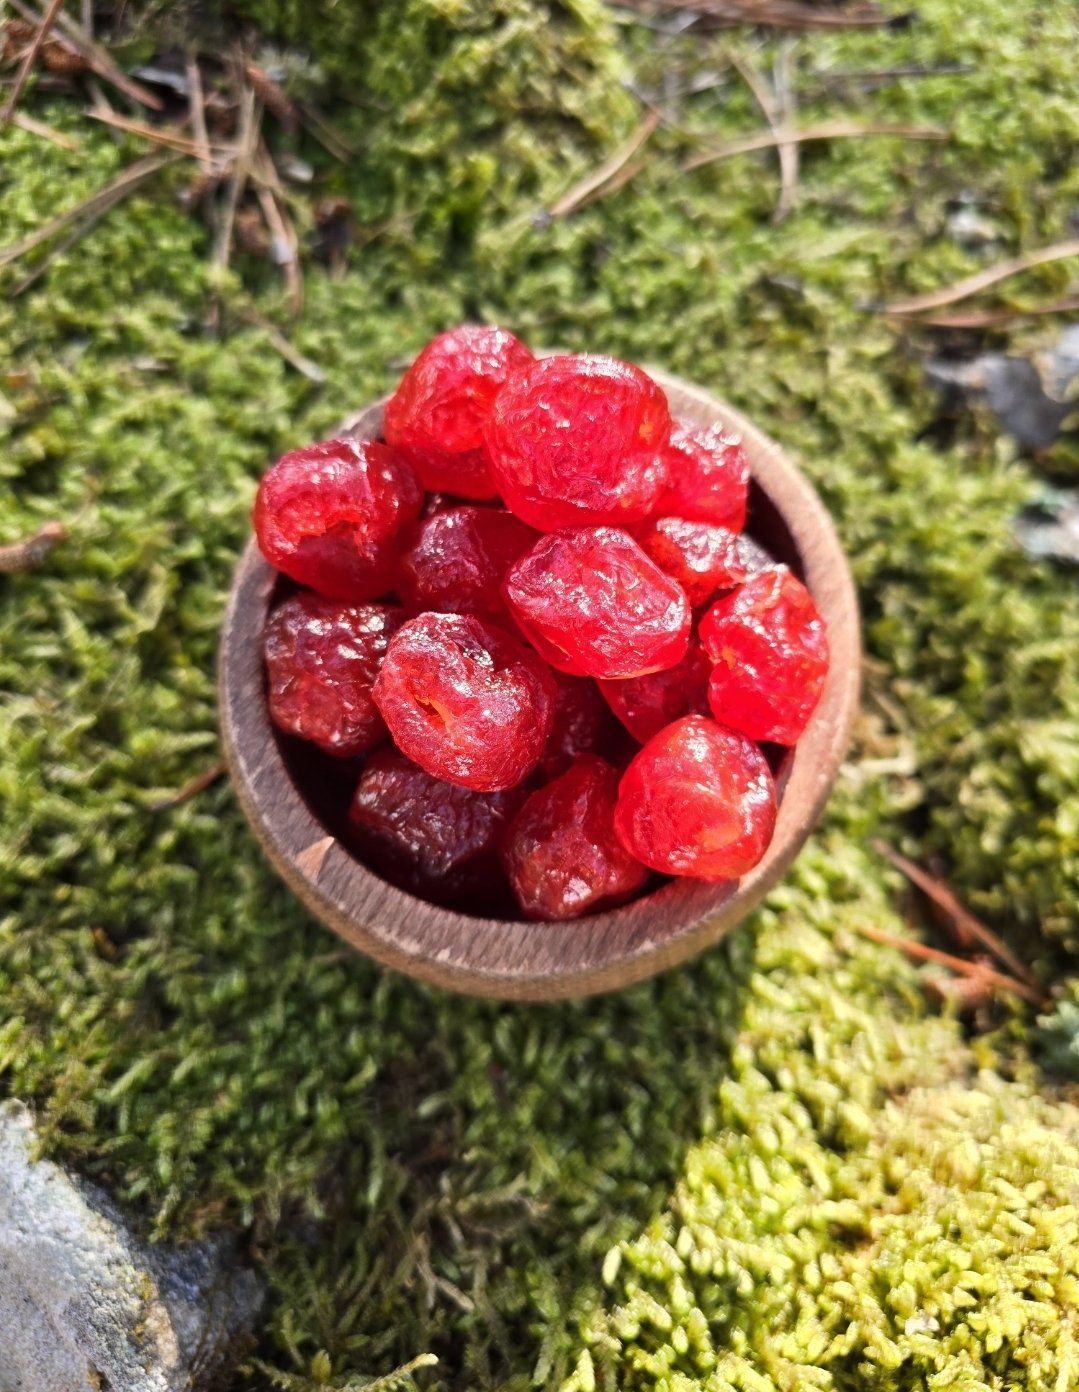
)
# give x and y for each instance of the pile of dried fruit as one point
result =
(521, 556)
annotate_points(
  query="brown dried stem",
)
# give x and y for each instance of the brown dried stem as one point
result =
(32, 127)
(786, 149)
(92, 208)
(779, 14)
(246, 143)
(30, 58)
(594, 184)
(76, 37)
(981, 280)
(922, 953)
(966, 922)
(987, 318)
(285, 244)
(166, 137)
(191, 789)
(197, 107)
(828, 130)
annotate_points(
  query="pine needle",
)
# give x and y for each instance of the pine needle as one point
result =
(981, 280)
(828, 130)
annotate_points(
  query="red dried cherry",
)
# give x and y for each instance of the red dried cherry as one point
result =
(770, 650)
(577, 441)
(322, 658)
(466, 701)
(582, 723)
(430, 837)
(595, 605)
(436, 415)
(702, 557)
(697, 800)
(645, 704)
(561, 854)
(709, 477)
(328, 516)
(454, 561)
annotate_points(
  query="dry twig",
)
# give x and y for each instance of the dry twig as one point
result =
(303, 365)
(191, 789)
(197, 108)
(828, 130)
(921, 952)
(970, 928)
(165, 136)
(90, 209)
(981, 280)
(76, 37)
(246, 144)
(591, 186)
(31, 551)
(285, 246)
(30, 58)
(779, 14)
(32, 127)
(785, 148)
(987, 318)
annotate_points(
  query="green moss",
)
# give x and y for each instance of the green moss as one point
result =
(418, 1173)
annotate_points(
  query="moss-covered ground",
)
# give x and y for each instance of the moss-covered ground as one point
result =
(776, 1169)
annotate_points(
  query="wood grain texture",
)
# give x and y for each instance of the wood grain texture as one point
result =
(522, 961)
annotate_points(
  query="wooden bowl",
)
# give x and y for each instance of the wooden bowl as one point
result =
(527, 961)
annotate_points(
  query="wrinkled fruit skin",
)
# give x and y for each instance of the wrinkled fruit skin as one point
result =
(708, 474)
(645, 705)
(770, 650)
(594, 605)
(702, 557)
(697, 800)
(430, 837)
(582, 724)
(465, 701)
(329, 516)
(436, 416)
(322, 658)
(578, 441)
(562, 856)
(454, 561)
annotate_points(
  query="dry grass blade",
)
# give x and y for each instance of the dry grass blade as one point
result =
(30, 58)
(246, 143)
(325, 134)
(31, 551)
(191, 789)
(966, 922)
(987, 318)
(32, 127)
(591, 186)
(303, 365)
(786, 149)
(981, 280)
(197, 105)
(920, 952)
(96, 56)
(778, 14)
(828, 130)
(166, 137)
(90, 208)
(285, 246)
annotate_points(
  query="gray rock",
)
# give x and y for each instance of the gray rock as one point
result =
(84, 1305)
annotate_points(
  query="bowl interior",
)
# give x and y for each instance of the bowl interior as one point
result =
(297, 801)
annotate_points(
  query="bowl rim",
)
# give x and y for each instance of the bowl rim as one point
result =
(515, 960)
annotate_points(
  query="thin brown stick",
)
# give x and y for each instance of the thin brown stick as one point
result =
(32, 127)
(191, 789)
(921, 952)
(961, 916)
(97, 57)
(285, 243)
(303, 365)
(594, 182)
(325, 134)
(104, 199)
(197, 107)
(785, 149)
(985, 319)
(778, 14)
(164, 136)
(981, 280)
(829, 130)
(31, 551)
(30, 58)
(790, 157)
(247, 138)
